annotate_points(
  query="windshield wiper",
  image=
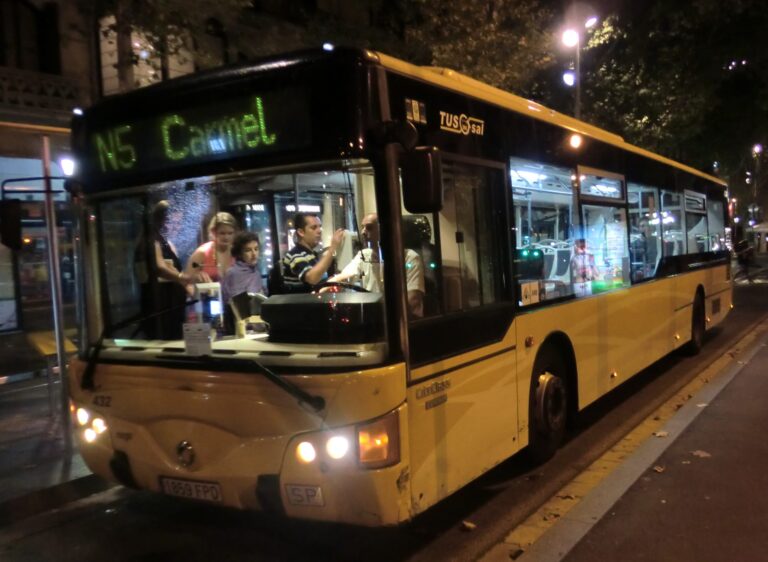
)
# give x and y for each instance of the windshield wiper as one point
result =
(88, 373)
(317, 403)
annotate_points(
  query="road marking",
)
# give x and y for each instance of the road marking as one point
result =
(624, 463)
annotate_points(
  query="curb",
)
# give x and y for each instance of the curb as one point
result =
(34, 503)
(18, 377)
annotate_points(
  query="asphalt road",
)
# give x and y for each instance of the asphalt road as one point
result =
(122, 525)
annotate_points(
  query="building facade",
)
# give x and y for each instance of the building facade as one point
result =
(46, 71)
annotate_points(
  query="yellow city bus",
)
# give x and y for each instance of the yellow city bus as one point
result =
(533, 263)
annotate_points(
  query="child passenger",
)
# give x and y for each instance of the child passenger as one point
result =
(244, 276)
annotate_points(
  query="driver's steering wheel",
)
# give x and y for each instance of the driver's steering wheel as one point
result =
(338, 286)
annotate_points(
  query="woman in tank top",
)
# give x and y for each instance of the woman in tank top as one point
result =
(214, 258)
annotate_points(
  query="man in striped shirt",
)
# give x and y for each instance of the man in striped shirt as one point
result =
(302, 265)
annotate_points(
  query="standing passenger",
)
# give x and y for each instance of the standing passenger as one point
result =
(163, 283)
(302, 265)
(214, 258)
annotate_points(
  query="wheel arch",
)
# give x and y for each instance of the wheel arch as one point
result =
(560, 341)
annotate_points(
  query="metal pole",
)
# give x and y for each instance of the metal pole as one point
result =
(55, 277)
(577, 113)
(756, 178)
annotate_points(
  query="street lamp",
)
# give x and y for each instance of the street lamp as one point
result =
(572, 39)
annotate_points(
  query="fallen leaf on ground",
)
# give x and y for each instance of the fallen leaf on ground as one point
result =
(702, 405)
(468, 526)
(660, 433)
(701, 454)
(658, 468)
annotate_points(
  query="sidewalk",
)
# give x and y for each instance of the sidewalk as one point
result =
(698, 493)
(36, 471)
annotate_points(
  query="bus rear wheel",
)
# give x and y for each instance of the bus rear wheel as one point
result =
(548, 410)
(698, 326)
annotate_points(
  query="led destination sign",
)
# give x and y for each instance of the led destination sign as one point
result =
(221, 129)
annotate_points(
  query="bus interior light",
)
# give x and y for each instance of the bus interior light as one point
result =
(379, 442)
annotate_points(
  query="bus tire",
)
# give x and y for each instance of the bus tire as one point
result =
(698, 326)
(548, 406)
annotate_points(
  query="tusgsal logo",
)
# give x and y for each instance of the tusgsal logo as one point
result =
(462, 124)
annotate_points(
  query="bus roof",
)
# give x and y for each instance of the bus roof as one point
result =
(447, 78)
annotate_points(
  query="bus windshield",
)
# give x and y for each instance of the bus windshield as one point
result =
(220, 261)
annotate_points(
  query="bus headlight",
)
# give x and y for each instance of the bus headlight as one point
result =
(337, 447)
(305, 452)
(99, 425)
(92, 426)
(379, 441)
(378, 445)
(82, 416)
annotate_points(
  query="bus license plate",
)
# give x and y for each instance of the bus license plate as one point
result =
(193, 489)
(304, 495)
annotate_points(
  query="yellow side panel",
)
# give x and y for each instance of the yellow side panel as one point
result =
(616, 335)
(462, 422)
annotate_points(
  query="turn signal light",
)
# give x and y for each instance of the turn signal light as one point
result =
(379, 442)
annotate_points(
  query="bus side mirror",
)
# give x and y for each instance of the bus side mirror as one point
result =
(10, 223)
(422, 176)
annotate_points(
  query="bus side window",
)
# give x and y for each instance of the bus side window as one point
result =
(696, 222)
(460, 247)
(605, 234)
(672, 224)
(544, 211)
(644, 231)
(716, 223)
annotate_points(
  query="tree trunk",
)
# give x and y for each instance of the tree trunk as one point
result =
(125, 55)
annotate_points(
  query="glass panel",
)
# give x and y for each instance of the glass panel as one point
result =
(121, 225)
(600, 186)
(462, 270)
(8, 316)
(213, 239)
(601, 257)
(696, 223)
(544, 223)
(645, 231)
(716, 223)
(672, 224)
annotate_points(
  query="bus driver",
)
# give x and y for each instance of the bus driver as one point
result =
(367, 267)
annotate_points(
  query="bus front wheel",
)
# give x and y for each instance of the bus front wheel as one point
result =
(548, 411)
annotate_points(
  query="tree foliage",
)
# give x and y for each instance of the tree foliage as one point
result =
(501, 42)
(687, 78)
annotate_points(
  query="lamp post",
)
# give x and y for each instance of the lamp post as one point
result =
(572, 39)
(757, 150)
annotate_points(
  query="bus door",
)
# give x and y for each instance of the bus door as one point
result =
(461, 342)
